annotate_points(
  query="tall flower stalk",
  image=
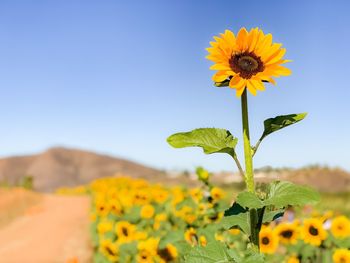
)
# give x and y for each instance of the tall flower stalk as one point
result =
(245, 63)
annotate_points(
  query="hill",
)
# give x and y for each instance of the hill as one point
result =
(59, 167)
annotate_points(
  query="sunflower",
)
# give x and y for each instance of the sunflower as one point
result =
(147, 212)
(203, 241)
(268, 240)
(168, 253)
(191, 236)
(340, 227)
(313, 232)
(125, 231)
(293, 259)
(109, 249)
(341, 255)
(147, 250)
(287, 232)
(104, 226)
(246, 60)
(217, 193)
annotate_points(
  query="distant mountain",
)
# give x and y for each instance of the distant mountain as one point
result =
(59, 167)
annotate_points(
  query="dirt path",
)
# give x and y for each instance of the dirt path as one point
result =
(55, 230)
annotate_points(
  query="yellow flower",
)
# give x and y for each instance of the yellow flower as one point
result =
(340, 227)
(247, 60)
(216, 193)
(219, 237)
(147, 211)
(293, 259)
(203, 241)
(313, 232)
(147, 250)
(104, 226)
(191, 236)
(341, 255)
(287, 232)
(196, 194)
(115, 206)
(268, 240)
(168, 253)
(125, 231)
(234, 231)
(109, 250)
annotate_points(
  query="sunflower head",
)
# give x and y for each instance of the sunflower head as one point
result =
(287, 232)
(268, 240)
(340, 227)
(247, 60)
(313, 232)
(341, 255)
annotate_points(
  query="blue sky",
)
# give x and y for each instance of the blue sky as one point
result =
(118, 77)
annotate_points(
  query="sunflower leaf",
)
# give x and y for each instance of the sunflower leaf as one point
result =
(282, 194)
(272, 215)
(224, 83)
(274, 124)
(240, 221)
(215, 252)
(211, 140)
(249, 200)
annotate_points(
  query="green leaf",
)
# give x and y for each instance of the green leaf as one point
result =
(224, 83)
(235, 209)
(270, 216)
(241, 221)
(274, 124)
(172, 237)
(254, 258)
(249, 200)
(282, 194)
(212, 140)
(214, 252)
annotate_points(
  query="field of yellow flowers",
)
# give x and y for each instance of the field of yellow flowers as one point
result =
(135, 221)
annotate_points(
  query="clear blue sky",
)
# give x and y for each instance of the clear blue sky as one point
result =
(118, 77)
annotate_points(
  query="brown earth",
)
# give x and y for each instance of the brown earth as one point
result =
(59, 167)
(55, 229)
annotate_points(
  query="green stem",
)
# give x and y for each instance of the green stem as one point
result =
(249, 172)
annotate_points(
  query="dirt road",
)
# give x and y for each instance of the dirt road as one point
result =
(54, 230)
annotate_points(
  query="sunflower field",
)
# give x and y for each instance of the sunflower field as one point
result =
(135, 221)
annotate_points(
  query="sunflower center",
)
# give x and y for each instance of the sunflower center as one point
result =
(265, 240)
(247, 64)
(125, 231)
(287, 234)
(313, 231)
(110, 251)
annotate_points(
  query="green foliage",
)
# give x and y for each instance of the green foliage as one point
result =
(282, 194)
(214, 252)
(274, 124)
(212, 140)
(249, 200)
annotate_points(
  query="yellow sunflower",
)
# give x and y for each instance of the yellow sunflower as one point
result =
(168, 253)
(246, 60)
(293, 259)
(109, 249)
(287, 232)
(147, 250)
(313, 232)
(217, 193)
(191, 236)
(340, 227)
(147, 212)
(125, 231)
(341, 255)
(268, 240)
